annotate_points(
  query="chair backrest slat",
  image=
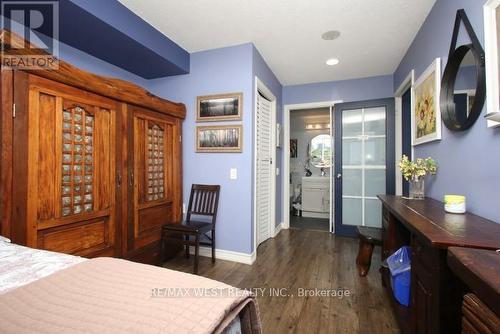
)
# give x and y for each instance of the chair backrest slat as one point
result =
(209, 201)
(198, 195)
(206, 203)
(203, 201)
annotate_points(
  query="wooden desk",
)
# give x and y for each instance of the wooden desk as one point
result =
(479, 270)
(436, 294)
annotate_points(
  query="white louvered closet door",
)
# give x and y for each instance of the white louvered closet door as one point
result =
(264, 168)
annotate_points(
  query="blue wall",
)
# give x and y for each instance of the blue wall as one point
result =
(213, 72)
(95, 65)
(84, 60)
(231, 69)
(129, 28)
(345, 90)
(468, 161)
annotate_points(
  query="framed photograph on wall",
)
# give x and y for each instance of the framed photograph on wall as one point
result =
(492, 45)
(293, 148)
(221, 107)
(219, 139)
(426, 115)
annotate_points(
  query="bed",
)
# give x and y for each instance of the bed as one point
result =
(48, 292)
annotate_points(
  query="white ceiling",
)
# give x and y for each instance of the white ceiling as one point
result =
(375, 34)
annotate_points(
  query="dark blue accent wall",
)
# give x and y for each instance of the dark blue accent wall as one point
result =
(108, 30)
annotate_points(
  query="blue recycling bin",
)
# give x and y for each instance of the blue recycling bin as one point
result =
(400, 267)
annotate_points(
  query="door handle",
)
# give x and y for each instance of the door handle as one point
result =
(131, 178)
(339, 176)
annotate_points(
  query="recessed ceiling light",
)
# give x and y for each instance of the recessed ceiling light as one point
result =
(331, 35)
(332, 61)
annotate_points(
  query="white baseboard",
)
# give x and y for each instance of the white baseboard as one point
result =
(277, 229)
(222, 254)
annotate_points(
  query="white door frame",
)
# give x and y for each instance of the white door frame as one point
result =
(286, 157)
(408, 82)
(260, 86)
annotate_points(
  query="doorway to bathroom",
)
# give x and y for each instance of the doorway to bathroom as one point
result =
(309, 163)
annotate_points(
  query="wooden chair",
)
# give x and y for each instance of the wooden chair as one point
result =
(369, 237)
(203, 202)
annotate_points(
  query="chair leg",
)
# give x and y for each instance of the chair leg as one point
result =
(186, 237)
(196, 253)
(213, 246)
(364, 258)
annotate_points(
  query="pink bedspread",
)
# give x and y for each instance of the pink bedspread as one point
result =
(107, 295)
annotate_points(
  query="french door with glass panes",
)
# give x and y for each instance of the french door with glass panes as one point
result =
(364, 162)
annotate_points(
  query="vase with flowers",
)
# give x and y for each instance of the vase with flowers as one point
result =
(415, 173)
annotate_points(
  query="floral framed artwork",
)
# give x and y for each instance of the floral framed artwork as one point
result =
(426, 115)
(221, 107)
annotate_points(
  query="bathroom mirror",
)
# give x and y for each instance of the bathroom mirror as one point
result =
(463, 88)
(321, 151)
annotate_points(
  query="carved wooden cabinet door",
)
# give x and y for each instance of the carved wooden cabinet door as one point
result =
(154, 175)
(71, 170)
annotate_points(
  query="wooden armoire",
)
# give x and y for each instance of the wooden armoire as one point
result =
(90, 165)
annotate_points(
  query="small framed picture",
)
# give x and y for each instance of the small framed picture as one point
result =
(293, 148)
(219, 138)
(426, 115)
(221, 107)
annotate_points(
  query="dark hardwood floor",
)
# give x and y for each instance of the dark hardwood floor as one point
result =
(306, 223)
(307, 259)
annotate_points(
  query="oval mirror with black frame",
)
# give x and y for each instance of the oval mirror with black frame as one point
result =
(463, 87)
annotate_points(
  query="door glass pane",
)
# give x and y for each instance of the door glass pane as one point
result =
(363, 165)
(375, 151)
(352, 153)
(351, 211)
(373, 212)
(352, 186)
(375, 182)
(352, 125)
(375, 121)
